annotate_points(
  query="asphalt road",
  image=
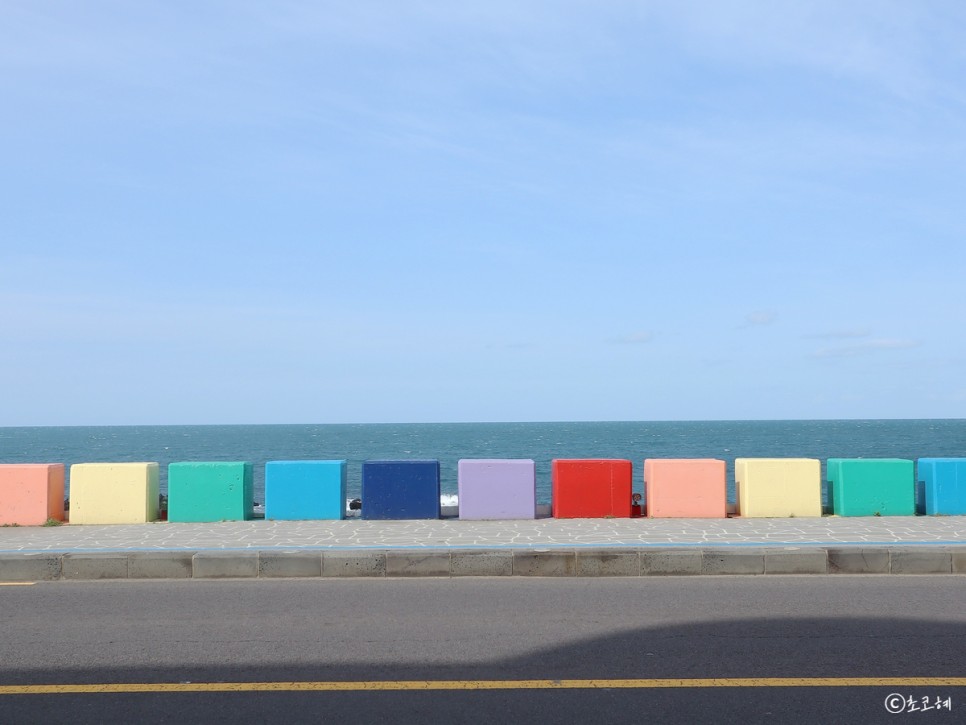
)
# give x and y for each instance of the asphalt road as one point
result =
(624, 632)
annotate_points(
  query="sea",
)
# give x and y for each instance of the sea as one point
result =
(449, 442)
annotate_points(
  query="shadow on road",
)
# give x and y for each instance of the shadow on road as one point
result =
(734, 648)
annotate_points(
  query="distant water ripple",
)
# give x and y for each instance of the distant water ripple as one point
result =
(449, 442)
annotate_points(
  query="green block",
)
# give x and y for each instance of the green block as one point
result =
(200, 492)
(871, 486)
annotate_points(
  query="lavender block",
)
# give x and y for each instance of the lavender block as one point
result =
(497, 489)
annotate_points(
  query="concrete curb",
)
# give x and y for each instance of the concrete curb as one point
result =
(557, 562)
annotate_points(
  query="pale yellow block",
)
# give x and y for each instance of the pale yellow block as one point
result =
(778, 487)
(113, 493)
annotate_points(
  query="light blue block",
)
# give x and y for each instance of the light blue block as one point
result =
(299, 490)
(942, 483)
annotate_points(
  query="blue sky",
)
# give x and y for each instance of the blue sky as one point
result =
(240, 212)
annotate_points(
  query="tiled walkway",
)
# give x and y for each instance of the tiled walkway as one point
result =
(456, 534)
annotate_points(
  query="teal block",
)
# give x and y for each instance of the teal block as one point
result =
(200, 492)
(871, 486)
(300, 490)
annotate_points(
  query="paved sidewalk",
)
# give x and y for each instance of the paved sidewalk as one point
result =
(453, 533)
(450, 547)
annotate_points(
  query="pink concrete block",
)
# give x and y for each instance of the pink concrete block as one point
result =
(685, 488)
(497, 489)
(31, 493)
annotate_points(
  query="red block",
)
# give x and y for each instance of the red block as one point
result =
(591, 488)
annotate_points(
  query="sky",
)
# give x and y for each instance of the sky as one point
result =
(330, 212)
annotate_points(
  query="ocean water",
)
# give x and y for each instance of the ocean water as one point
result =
(450, 442)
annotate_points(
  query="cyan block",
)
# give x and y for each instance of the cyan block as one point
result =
(298, 490)
(220, 491)
(497, 489)
(400, 489)
(942, 482)
(871, 486)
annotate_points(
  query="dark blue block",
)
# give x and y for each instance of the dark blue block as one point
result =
(400, 489)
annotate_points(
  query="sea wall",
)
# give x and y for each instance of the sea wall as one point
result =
(31, 494)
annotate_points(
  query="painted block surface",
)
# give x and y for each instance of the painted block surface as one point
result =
(685, 488)
(400, 489)
(591, 488)
(778, 487)
(296, 490)
(943, 485)
(31, 493)
(497, 489)
(871, 486)
(113, 493)
(217, 491)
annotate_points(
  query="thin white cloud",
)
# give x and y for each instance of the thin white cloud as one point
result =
(842, 334)
(759, 318)
(518, 345)
(866, 347)
(857, 40)
(634, 338)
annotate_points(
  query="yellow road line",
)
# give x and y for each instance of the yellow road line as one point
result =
(17, 584)
(396, 685)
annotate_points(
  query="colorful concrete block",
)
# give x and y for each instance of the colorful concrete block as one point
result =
(113, 493)
(298, 490)
(400, 489)
(871, 486)
(217, 491)
(685, 488)
(943, 485)
(778, 487)
(591, 488)
(31, 493)
(497, 489)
